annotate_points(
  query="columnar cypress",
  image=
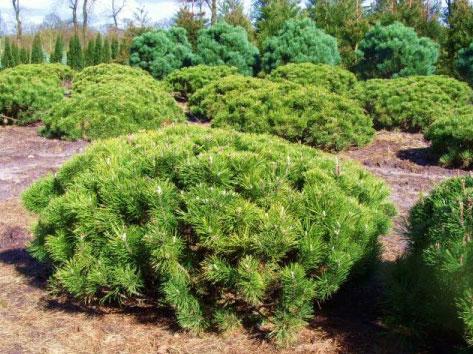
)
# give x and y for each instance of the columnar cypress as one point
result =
(75, 58)
(106, 54)
(24, 56)
(115, 48)
(37, 56)
(89, 54)
(98, 49)
(56, 56)
(15, 53)
(7, 59)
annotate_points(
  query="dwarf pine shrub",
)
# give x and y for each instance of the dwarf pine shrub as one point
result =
(222, 227)
(110, 108)
(297, 113)
(330, 77)
(186, 81)
(452, 138)
(101, 73)
(27, 91)
(412, 103)
(431, 291)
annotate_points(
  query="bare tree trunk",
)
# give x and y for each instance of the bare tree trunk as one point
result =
(116, 11)
(85, 20)
(19, 28)
(73, 5)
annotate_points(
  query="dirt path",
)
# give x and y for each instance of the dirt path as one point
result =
(33, 322)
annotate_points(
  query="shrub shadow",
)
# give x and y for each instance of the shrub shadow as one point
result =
(420, 156)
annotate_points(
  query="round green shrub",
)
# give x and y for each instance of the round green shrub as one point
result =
(452, 138)
(411, 103)
(299, 41)
(186, 81)
(27, 91)
(101, 73)
(332, 78)
(297, 113)
(112, 108)
(395, 50)
(464, 63)
(218, 225)
(431, 290)
(224, 44)
(161, 51)
(202, 103)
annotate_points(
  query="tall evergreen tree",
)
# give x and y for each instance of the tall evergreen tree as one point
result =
(24, 56)
(7, 59)
(115, 48)
(233, 13)
(106, 52)
(89, 53)
(460, 30)
(191, 22)
(75, 59)
(15, 53)
(57, 55)
(37, 56)
(98, 49)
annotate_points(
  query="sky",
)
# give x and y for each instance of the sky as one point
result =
(34, 10)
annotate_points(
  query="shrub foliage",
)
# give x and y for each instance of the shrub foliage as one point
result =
(187, 81)
(432, 288)
(464, 64)
(312, 116)
(452, 138)
(299, 41)
(112, 107)
(226, 44)
(222, 226)
(329, 77)
(27, 91)
(412, 103)
(395, 50)
(161, 51)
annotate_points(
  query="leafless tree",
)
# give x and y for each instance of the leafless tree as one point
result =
(141, 17)
(117, 7)
(86, 9)
(74, 5)
(212, 4)
(16, 8)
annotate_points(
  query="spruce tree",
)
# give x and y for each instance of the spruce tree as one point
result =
(98, 49)
(89, 54)
(75, 58)
(37, 56)
(7, 59)
(15, 53)
(115, 48)
(56, 56)
(106, 54)
(24, 56)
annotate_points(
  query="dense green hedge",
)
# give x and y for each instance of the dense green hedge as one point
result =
(452, 138)
(412, 103)
(432, 288)
(101, 73)
(396, 50)
(221, 226)
(27, 91)
(299, 41)
(188, 80)
(111, 108)
(162, 51)
(298, 113)
(224, 44)
(332, 78)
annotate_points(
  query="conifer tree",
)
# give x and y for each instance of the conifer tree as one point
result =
(15, 53)
(56, 56)
(24, 56)
(106, 54)
(89, 54)
(37, 56)
(115, 48)
(75, 58)
(98, 49)
(7, 60)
